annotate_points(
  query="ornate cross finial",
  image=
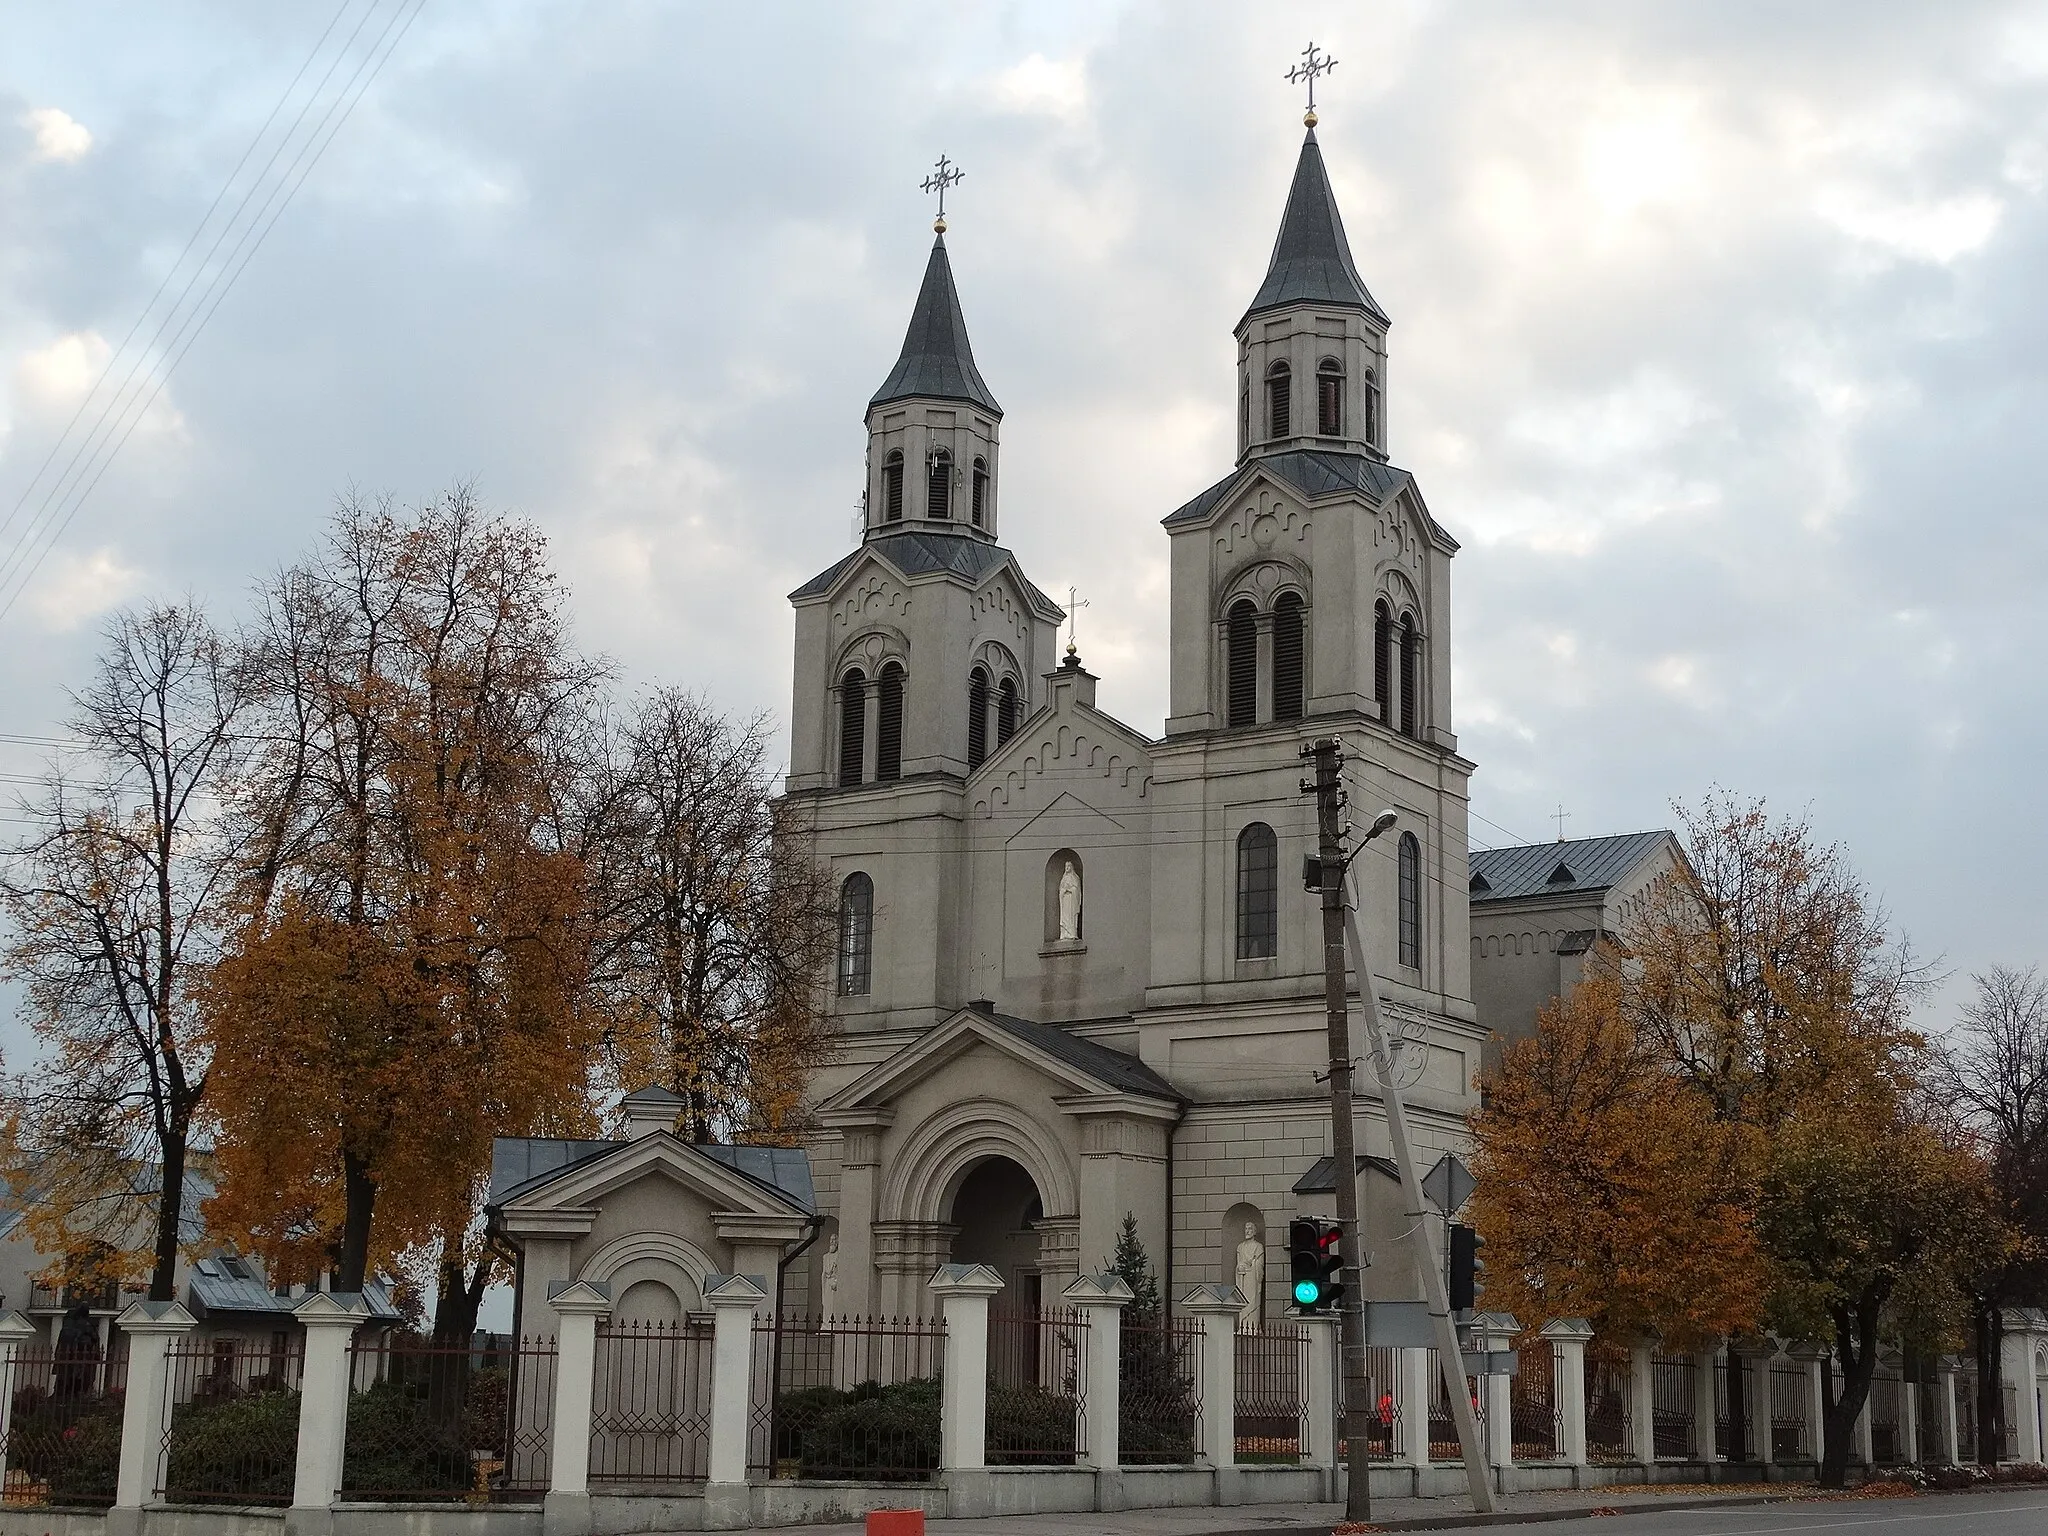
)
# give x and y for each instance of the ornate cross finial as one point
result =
(944, 174)
(1312, 65)
(1560, 816)
(1075, 602)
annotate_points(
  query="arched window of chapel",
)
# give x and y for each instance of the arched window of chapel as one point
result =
(977, 717)
(1411, 669)
(1279, 400)
(1329, 398)
(853, 726)
(938, 496)
(1242, 638)
(1007, 710)
(1382, 659)
(856, 935)
(892, 487)
(1369, 404)
(980, 493)
(1258, 893)
(1289, 657)
(889, 723)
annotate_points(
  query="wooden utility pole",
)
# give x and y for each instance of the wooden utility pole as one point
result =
(1329, 793)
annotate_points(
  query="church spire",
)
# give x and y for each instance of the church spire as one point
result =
(937, 363)
(1311, 258)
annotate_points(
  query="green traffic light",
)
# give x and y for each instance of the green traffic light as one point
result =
(1307, 1292)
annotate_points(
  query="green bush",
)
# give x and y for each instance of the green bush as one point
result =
(234, 1449)
(874, 1432)
(400, 1442)
(1028, 1425)
(71, 1444)
(1163, 1439)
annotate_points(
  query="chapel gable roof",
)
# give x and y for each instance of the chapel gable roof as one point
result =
(524, 1165)
(1313, 475)
(911, 555)
(1577, 866)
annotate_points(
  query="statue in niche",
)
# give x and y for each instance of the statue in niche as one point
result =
(1251, 1278)
(830, 1281)
(1070, 903)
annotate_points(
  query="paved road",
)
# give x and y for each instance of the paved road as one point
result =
(1935, 1514)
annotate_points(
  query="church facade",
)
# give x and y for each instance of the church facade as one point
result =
(1078, 974)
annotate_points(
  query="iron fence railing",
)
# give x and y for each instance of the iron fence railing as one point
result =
(1160, 1404)
(231, 1420)
(433, 1421)
(1885, 1393)
(1443, 1424)
(1037, 1387)
(1791, 1404)
(1927, 1408)
(846, 1397)
(1672, 1383)
(1532, 1401)
(63, 1442)
(1966, 1415)
(1271, 1418)
(1608, 1417)
(650, 1403)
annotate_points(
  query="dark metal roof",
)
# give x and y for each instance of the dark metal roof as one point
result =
(1112, 1068)
(924, 554)
(1586, 865)
(212, 1289)
(787, 1170)
(1311, 258)
(937, 362)
(1321, 1178)
(520, 1164)
(1313, 473)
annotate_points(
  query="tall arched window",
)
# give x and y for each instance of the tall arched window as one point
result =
(853, 726)
(981, 493)
(1244, 417)
(889, 723)
(1371, 404)
(1279, 400)
(1006, 710)
(938, 485)
(1382, 659)
(977, 718)
(1243, 630)
(1288, 675)
(1258, 893)
(892, 487)
(1410, 647)
(1408, 901)
(1330, 398)
(856, 935)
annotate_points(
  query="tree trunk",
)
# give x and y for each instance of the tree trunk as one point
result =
(458, 1297)
(361, 1194)
(1988, 1328)
(1856, 1348)
(170, 1206)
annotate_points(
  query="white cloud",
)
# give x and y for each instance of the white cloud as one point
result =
(73, 589)
(61, 373)
(1938, 230)
(59, 136)
(1051, 87)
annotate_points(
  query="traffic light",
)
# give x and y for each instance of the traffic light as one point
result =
(1315, 1260)
(1466, 1268)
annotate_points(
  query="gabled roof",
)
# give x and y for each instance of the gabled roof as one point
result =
(522, 1164)
(1321, 1178)
(1112, 1068)
(926, 554)
(1313, 473)
(1311, 258)
(936, 362)
(1582, 865)
(213, 1289)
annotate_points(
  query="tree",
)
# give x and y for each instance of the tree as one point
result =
(409, 975)
(717, 922)
(114, 902)
(1157, 1395)
(1989, 1079)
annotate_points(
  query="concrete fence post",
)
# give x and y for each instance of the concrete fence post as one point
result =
(152, 1327)
(1569, 1336)
(1950, 1429)
(1756, 1356)
(1811, 1360)
(964, 1291)
(1319, 1393)
(1217, 1307)
(2024, 1327)
(1411, 1398)
(330, 1319)
(1909, 1421)
(1642, 1402)
(581, 1305)
(17, 1333)
(735, 1300)
(1862, 1443)
(1491, 1332)
(1706, 1408)
(1101, 1300)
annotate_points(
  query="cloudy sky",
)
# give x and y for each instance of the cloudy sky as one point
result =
(1720, 341)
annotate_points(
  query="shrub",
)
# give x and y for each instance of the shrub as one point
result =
(237, 1449)
(874, 1432)
(70, 1444)
(1028, 1425)
(399, 1443)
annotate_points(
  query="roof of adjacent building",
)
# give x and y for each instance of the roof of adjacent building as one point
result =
(936, 362)
(520, 1164)
(1321, 1178)
(924, 554)
(228, 1284)
(1311, 258)
(1112, 1068)
(1579, 865)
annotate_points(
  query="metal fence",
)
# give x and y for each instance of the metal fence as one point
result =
(1383, 1411)
(1270, 1422)
(1672, 1380)
(231, 1420)
(846, 1397)
(433, 1421)
(1966, 1415)
(1160, 1406)
(1037, 1388)
(1532, 1401)
(1791, 1400)
(1885, 1394)
(1608, 1419)
(1443, 1426)
(63, 1440)
(530, 1420)
(650, 1403)
(2009, 1442)
(1929, 1411)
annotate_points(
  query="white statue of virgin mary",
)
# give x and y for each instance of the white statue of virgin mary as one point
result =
(1070, 902)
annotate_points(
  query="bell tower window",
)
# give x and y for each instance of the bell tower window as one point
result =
(1410, 649)
(1329, 398)
(853, 726)
(938, 494)
(1370, 427)
(1242, 632)
(856, 935)
(892, 487)
(1382, 660)
(1006, 710)
(981, 493)
(1258, 893)
(977, 718)
(889, 724)
(1279, 400)
(1287, 657)
(1409, 901)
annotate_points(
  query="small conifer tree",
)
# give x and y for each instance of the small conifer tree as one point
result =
(1157, 1397)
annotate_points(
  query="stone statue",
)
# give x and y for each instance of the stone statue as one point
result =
(1251, 1278)
(1070, 903)
(830, 1281)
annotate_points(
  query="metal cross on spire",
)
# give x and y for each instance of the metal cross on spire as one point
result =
(944, 174)
(1560, 816)
(1075, 602)
(1312, 65)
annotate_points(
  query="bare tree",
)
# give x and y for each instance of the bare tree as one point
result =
(114, 900)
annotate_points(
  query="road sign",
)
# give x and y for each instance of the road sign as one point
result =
(1398, 1324)
(1448, 1184)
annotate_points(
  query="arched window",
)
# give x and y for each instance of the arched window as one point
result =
(1258, 893)
(1244, 417)
(1371, 424)
(981, 493)
(1279, 400)
(1244, 664)
(892, 487)
(1006, 710)
(1382, 659)
(889, 723)
(1330, 398)
(1410, 647)
(977, 718)
(1288, 676)
(856, 935)
(1408, 901)
(853, 726)
(938, 485)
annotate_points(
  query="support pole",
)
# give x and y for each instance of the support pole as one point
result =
(1434, 1287)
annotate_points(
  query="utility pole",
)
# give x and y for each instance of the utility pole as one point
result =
(1329, 793)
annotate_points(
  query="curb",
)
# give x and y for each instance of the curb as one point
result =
(1517, 1516)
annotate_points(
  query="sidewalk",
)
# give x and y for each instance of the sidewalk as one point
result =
(1303, 1519)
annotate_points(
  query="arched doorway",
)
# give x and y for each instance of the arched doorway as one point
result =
(995, 1217)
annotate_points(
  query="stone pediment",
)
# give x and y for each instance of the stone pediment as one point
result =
(1073, 738)
(914, 557)
(1312, 477)
(1079, 1069)
(579, 1188)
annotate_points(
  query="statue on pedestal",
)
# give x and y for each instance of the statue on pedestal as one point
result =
(1070, 903)
(830, 1273)
(1251, 1278)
